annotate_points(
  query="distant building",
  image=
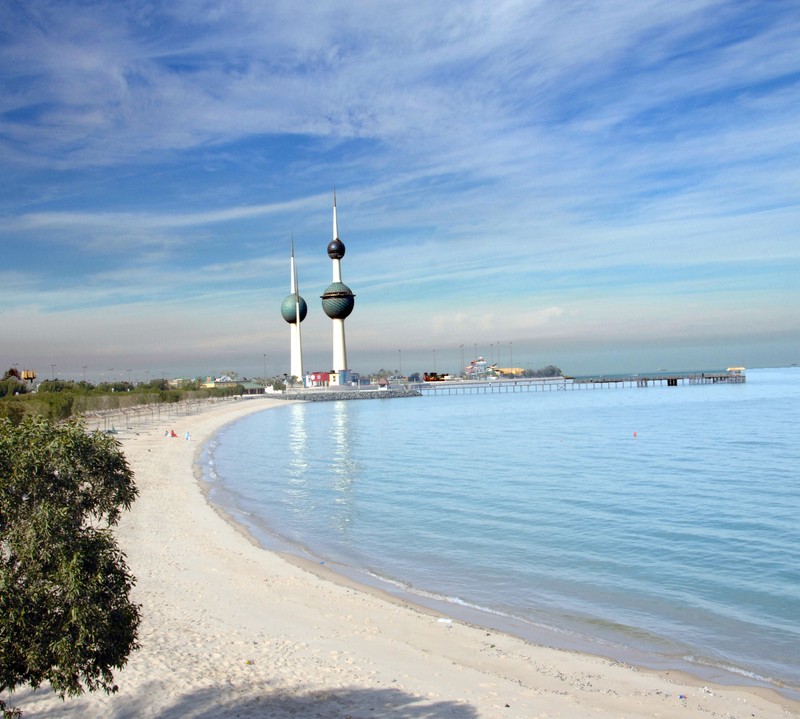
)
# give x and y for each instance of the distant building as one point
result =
(318, 379)
(510, 371)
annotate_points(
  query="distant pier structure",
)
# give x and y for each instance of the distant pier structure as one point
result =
(733, 375)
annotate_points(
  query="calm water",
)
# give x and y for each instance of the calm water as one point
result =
(544, 514)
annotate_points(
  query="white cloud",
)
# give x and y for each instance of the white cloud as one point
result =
(530, 155)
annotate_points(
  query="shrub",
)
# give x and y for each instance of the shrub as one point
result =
(65, 611)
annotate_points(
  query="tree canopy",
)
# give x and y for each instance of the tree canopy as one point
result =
(66, 616)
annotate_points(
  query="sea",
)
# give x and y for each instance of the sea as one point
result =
(658, 526)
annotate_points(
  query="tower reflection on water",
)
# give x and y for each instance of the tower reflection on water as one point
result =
(298, 471)
(342, 469)
(345, 468)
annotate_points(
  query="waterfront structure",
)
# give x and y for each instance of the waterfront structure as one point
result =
(338, 302)
(733, 375)
(294, 310)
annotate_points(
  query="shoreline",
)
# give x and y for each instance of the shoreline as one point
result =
(555, 637)
(232, 629)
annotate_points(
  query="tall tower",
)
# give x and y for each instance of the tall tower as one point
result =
(338, 302)
(292, 308)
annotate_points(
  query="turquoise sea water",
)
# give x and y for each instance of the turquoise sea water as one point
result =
(544, 514)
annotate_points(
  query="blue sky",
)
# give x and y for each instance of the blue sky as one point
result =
(602, 186)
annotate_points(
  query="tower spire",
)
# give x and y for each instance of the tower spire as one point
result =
(294, 310)
(337, 303)
(297, 313)
(335, 223)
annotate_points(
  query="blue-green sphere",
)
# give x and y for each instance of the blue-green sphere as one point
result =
(338, 301)
(288, 309)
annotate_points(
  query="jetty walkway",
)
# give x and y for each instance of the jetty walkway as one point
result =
(555, 384)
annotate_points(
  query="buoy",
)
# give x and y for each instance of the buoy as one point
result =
(634, 435)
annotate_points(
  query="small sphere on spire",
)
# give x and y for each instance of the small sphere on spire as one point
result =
(336, 249)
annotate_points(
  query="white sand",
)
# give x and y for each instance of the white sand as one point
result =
(232, 630)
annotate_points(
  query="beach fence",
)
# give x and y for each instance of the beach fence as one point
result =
(144, 416)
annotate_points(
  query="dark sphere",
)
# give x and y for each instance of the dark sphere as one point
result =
(336, 249)
(288, 309)
(338, 301)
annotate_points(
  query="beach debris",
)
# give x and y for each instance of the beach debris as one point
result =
(443, 620)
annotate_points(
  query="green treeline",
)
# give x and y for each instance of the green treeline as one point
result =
(60, 399)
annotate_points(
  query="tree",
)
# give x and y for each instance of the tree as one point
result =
(548, 371)
(66, 616)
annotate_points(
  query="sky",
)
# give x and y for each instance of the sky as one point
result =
(603, 186)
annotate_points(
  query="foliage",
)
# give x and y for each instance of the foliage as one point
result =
(114, 387)
(11, 386)
(12, 411)
(12, 372)
(548, 371)
(169, 395)
(9, 713)
(57, 385)
(66, 616)
(153, 385)
(59, 406)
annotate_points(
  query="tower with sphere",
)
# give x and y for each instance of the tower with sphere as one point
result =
(294, 311)
(338, 302)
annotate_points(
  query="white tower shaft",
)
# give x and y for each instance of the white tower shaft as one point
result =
(337, 265)
(339, 345)
(339, 348)
(296, 342)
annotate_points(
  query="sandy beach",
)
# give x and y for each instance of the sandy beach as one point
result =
(232, 630)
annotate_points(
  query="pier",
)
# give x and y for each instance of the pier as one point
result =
(567, 384)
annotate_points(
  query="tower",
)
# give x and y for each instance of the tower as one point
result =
(338, 302)
(292, 308)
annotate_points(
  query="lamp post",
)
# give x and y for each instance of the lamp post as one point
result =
(400, 362)
(265, 369)
(53, 369)
(434, 360)
(461, 371)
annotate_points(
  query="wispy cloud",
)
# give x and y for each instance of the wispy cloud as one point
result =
(565, 159)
